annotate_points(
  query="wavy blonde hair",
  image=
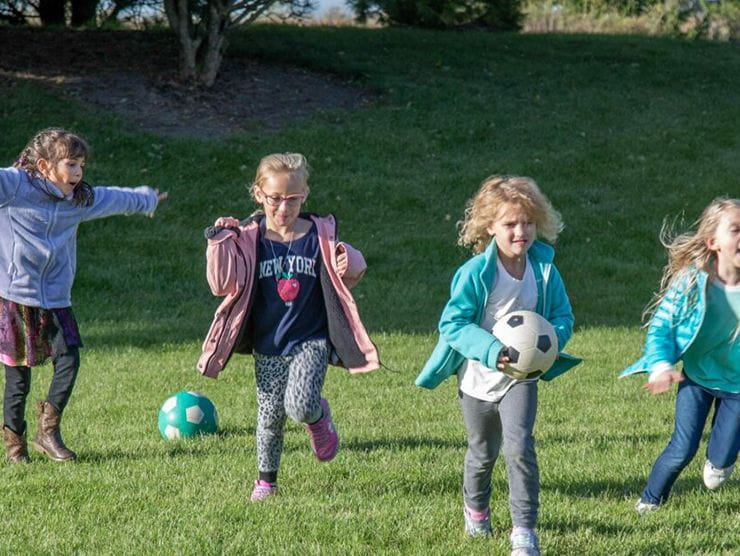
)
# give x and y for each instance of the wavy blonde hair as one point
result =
(498, 191)
(280, 163)
(688, 252)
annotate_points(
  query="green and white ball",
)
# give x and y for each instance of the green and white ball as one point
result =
(187, 414)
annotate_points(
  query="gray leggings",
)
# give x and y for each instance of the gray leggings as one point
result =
(287, 385)
(510, 420)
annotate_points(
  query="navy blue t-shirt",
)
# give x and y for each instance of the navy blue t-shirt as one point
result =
(288, 305)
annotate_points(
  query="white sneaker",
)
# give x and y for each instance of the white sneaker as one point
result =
(715, 477)
(524, 542)
(643, 508)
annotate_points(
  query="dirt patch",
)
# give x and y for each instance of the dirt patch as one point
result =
(133, 74)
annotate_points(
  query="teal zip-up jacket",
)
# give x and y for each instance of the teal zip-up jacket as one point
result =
(674, 326)
(460, 336)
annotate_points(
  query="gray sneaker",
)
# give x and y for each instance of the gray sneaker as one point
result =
(477, 524)
(524, 542)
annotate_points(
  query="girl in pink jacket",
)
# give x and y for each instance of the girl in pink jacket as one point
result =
(286, 281)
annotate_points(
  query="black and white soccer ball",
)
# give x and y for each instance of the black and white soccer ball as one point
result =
(530, 341)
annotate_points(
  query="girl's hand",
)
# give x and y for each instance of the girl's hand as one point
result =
(227, 222)
(160, 197)
(503, 359)
(342, 263)
(663, 381)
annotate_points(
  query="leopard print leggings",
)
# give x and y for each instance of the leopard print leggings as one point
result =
(287, 385)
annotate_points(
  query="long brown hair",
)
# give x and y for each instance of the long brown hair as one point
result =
(55, 144)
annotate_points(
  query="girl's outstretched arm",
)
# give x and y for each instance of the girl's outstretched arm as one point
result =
(123, 200)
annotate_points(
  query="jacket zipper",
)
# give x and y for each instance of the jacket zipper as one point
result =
(42, 277)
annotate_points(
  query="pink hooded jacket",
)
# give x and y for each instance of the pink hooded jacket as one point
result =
(231, 262)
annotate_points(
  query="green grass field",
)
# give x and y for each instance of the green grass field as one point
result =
(620, 132)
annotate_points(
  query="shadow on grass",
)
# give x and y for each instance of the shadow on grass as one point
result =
(607, 440)
(112, 455)
(408, 443)
(618, 489)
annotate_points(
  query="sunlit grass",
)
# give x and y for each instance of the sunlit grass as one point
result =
(620, 132)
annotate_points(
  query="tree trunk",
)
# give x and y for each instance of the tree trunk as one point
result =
(216, 42)
(178, 15)
(201, 45)
(83, 12)
(51, 12)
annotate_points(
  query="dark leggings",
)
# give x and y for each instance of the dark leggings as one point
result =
(18, 385)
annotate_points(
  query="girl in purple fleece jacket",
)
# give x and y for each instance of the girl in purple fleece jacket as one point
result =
(43, 199)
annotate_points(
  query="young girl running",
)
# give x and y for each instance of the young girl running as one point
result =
(695, 321)
(286, 279)
(511, 271)
(43, 199)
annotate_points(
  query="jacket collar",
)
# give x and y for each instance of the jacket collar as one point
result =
(258, 216)
(47, 187)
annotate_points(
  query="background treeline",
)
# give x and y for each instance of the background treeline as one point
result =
(712, 19)
(715, 19)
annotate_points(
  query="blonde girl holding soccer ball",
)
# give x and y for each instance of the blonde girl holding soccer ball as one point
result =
(511, 270)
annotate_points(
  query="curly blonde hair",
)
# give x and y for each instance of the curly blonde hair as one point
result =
(280, 163)
(688, 252)
(497, 191)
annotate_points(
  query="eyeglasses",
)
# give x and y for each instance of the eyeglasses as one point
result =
(276, 200)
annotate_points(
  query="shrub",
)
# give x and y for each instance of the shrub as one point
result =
(442, 14)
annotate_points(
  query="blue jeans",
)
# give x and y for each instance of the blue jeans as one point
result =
(693, 403)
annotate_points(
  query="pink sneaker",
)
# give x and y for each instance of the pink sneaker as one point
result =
(324, 437)
(263, 489)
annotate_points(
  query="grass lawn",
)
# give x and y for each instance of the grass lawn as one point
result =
(620, 132)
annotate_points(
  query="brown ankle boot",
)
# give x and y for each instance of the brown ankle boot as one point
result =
(48, 438)
(16, 450)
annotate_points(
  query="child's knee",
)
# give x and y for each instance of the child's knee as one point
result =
(302, 411)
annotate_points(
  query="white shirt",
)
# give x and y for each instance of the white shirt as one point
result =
(507, 294)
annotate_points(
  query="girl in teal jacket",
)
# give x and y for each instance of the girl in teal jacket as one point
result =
(695, 321)
(512, 271)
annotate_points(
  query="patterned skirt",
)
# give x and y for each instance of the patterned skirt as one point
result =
(31, 335)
